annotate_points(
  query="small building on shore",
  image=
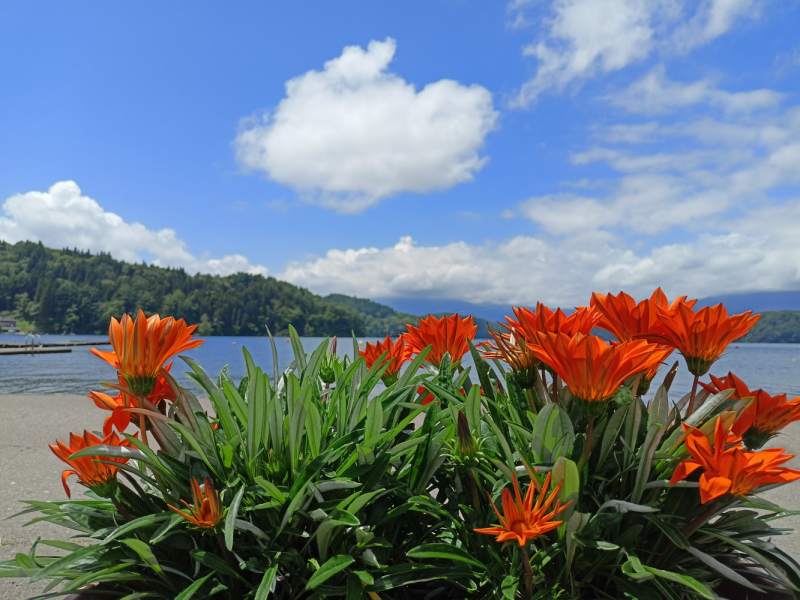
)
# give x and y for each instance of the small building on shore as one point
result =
(8, 325)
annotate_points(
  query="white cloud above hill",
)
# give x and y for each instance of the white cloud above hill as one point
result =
(62, 217)
(354, 133)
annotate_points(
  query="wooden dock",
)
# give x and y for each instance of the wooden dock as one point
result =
(21, 349)
(47, 347)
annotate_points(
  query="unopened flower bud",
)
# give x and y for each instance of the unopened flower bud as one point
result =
(466, 450)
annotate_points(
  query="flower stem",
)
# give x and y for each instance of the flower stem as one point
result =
(587, 449)
(143, 427)
(529, 394)
(526, 564)
(692, 397)
(122, 510)
(476, 498)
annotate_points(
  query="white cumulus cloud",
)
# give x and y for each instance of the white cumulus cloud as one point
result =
(354, 133)
(62, 217)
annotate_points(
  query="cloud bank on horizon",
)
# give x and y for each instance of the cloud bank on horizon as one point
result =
(684, 178)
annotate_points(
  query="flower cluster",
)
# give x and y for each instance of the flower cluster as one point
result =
(140, 349)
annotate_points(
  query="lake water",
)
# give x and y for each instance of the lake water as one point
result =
(772, 367)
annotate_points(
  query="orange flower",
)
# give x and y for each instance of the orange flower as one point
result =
(120, 417)
(529, 323)
(512, 349)
(100, 477)
(142, 346)
(445, 335)
(592, 369)
(764, 418)
(626, 319)
(700, 337)
(523, 520)
(399, 353)
(731, 470)
(207, 510)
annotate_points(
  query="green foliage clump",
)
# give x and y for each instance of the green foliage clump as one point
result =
(347, 489)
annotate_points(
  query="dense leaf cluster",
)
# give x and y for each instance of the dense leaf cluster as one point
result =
(355, 490)
(77, 292)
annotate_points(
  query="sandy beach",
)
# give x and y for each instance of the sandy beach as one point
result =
(29, 470)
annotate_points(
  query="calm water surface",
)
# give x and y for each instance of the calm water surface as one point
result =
(773, 367)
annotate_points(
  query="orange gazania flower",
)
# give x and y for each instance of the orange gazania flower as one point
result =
(207, 510)
(398, 353)
(100, 477)
(118, 405)
(142, 346)
(764, 418)
(731, 470)
(626, 319)
(701, 337)
(445, 335)
(511, 348)
(528, 323)
(593, 369)
(523, 521)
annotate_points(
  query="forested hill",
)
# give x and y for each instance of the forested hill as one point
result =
(74, 291)
(55, 291)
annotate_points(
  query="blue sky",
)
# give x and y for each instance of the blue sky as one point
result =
(487, 152)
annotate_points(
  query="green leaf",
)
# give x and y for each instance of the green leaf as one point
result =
(595, 544)
(414, 574)
(754, 553)
(214, 562)
(472, 409)
(267, 584)
(635, 570)
(297, 347)
(654, 435)
(611, 433)
(271, 489)
(331, 567)
(723, 570)
(144, 521)
(189, 592)
(623, 507)
(218, 399)
(364, 577)
(374, 423)
(566, 472)
(412, 368)
(484, 370)
(355, 589)
(230, 518)
(672, 532)
(509, 587)
(447, 551)
(708, 407)
(553, 434)
(144, 552)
